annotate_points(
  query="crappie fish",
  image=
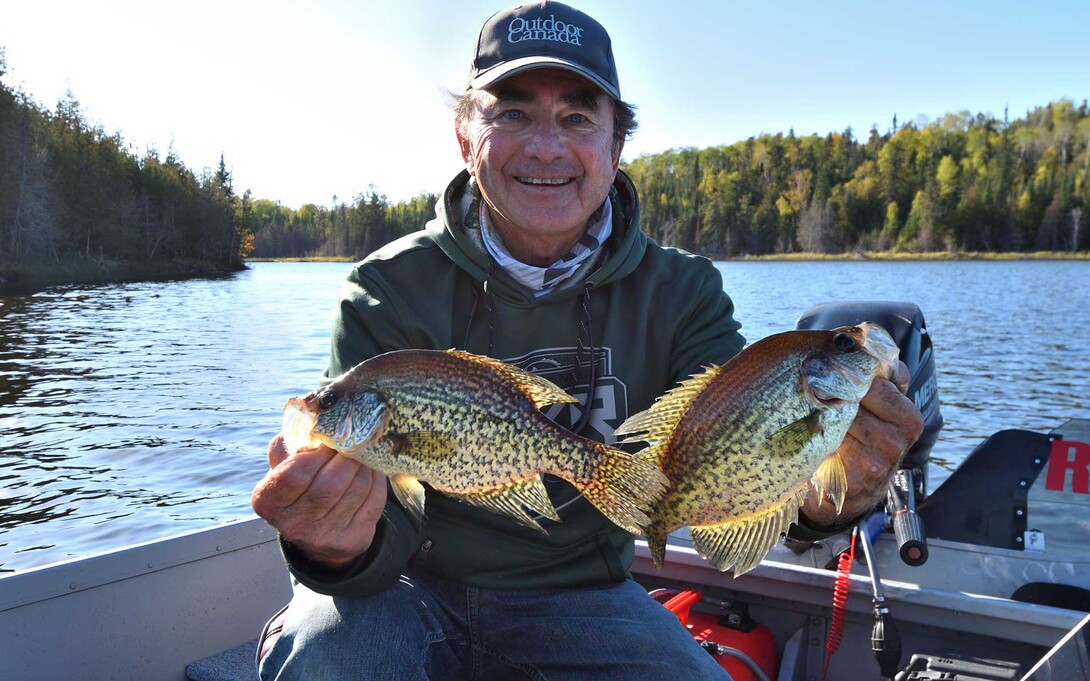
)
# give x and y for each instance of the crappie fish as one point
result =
(741, 442)
(470, 427)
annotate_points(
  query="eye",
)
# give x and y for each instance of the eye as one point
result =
(512, 115)
(844, 342)
(577, 118)
(326, 399)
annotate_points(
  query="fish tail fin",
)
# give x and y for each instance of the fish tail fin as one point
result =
(744, 542)
(831, 478)
(622, 486)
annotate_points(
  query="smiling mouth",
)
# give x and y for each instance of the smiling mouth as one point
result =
(544, 181)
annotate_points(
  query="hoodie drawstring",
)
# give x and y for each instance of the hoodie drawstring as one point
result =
(585, 351)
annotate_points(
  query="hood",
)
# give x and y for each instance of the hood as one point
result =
(625, 247)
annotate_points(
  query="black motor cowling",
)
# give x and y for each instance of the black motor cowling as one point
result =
(905, 323)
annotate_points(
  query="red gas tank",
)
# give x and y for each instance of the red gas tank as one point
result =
(737, 642)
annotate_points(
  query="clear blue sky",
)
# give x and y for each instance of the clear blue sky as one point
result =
(311, 100)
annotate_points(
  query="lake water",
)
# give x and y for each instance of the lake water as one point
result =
(138, 411)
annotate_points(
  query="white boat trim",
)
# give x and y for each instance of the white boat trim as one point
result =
(142, 612)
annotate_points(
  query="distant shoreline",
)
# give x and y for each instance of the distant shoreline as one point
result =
(35, 275)
(802, 257)
(31, 276)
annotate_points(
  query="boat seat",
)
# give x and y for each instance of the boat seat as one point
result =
(233, 664)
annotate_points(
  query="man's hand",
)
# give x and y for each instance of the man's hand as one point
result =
(886, 426)
(324, 504)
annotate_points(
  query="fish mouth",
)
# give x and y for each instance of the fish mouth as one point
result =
(297, 425)
(879, 344)
(852, 386)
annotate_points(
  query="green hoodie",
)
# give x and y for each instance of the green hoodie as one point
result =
(657, 315)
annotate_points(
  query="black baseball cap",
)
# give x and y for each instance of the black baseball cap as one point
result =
(543, 34)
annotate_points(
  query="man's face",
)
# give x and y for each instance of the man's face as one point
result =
(540, 144)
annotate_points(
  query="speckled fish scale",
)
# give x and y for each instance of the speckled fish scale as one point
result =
(470, 426)
(741, 442)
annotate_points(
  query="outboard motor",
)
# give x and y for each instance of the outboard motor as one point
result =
(905, 323)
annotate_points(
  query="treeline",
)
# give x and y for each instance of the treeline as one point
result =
(965, 183)
(343, 231)
(962, 183)
(69, 190)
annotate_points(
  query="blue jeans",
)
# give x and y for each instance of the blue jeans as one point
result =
(427, 628)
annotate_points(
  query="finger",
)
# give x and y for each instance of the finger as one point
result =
(278, 451)
(886, 402)
(871, 451)
(338, 489)
(902, 377)
(342, 525)
(374, 489)
(288, 482)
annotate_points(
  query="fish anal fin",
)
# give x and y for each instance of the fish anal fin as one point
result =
(409, 492)
(832, 479)
(793, 437)
(656, 545)
(742, 543)
(511, 499)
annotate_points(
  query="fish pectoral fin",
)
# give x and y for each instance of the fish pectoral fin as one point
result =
(792, 438)
(426, 445)
(831, 478)
(409, 492)
(742, 543)
(511, 499)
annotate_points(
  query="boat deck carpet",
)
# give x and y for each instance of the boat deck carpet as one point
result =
(233, 664)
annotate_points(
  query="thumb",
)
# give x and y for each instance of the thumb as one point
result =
(278, 451)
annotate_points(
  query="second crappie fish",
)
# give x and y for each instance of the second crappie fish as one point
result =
(470, 427)
(741, 442)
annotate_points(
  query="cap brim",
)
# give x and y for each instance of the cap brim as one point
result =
(508, 69)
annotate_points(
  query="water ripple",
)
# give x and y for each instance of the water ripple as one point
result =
(137, 411)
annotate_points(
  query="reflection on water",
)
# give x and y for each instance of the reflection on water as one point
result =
(137, 411)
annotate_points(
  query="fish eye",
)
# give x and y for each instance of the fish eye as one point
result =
(326, 399)
(844, 342)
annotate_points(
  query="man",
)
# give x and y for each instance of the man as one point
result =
(535, 257)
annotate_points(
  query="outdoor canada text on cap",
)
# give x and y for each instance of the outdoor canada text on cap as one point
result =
(543, 34)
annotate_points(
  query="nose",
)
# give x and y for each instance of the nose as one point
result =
(545, 141)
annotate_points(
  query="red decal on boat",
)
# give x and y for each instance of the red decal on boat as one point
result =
(1069, 456)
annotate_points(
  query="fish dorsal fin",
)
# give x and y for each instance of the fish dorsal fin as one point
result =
(409, 492)
(510, 500)
(831, 478)
(657, 423)
(541, 391)
(792, 438)
(744, 542)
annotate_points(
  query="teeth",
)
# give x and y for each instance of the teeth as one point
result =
(544, 180)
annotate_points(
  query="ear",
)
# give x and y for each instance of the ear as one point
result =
(466, 148)
(618, 148)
